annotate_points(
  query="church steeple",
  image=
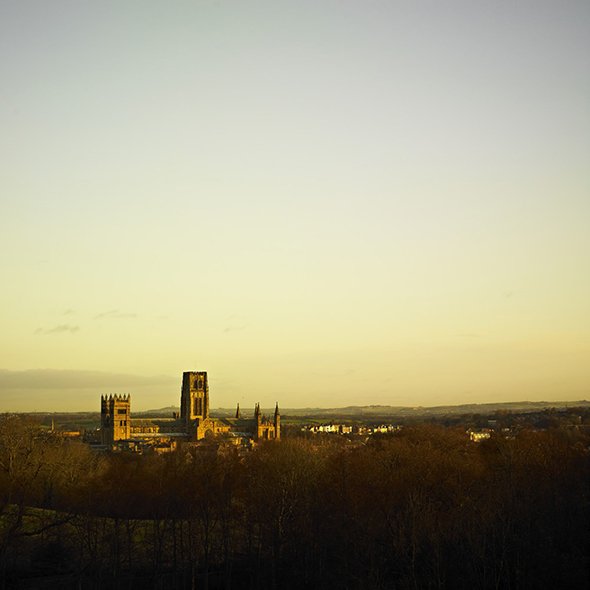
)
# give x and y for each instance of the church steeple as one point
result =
(238, 415)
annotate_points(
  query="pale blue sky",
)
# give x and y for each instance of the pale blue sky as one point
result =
(325, 203)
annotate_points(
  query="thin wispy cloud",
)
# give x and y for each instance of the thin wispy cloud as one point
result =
(73, 379)
(114, 314)
(229, 329)
(69, 312)
(61, 329)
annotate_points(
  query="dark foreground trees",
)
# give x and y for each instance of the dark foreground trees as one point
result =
(424, 508)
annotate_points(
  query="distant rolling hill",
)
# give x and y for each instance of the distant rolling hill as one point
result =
(160, 412)
(91, 420)
(378, 411)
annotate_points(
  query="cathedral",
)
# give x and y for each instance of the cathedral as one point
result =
(193, 424)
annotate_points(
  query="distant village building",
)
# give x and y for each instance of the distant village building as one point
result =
(194, 423)
(479, 435)
(335, 428)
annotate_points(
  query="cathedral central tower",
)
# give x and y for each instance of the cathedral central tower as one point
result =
(194, 397)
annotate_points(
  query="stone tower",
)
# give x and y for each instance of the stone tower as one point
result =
(277, 422)
(115, 418)
(265, 429)
(194, 398)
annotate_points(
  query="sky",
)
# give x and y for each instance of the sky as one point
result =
(320, 202)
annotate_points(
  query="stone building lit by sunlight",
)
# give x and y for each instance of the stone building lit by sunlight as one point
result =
(192, 424)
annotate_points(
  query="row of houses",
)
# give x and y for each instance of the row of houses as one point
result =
(336, 428)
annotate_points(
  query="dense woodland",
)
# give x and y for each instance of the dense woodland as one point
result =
(422, 508)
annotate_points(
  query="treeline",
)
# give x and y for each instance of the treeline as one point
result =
(424, 508)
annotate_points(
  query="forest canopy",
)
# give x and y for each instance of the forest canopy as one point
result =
(421, 508)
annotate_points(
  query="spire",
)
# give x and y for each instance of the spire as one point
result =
(238, 415)
(277, 422)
